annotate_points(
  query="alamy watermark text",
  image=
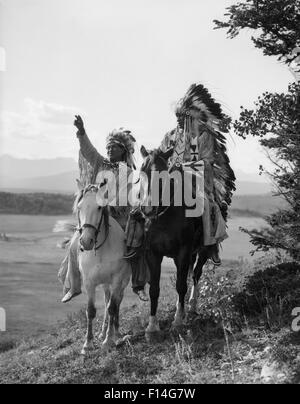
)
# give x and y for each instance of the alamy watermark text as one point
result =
(2, 320)
(296, 321)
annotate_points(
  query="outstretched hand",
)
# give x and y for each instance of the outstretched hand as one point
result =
(79, 123)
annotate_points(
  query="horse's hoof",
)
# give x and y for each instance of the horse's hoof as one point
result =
(88, 347)
(153, 326)
(108, 346)
(154, 337)
(152, 329)
(85, 351)
(118, 336)
(177, 324)
(192, 313)
(122, 340)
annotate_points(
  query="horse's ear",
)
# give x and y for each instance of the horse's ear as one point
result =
(144, 152)
(79, 185)
(169, 153)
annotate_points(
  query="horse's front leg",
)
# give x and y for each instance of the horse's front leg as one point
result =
(112, 333)
(193, 262)
(182, 263)
(117, 317)
(107, 297)
(193, 301)
(91, 315)
(154, 263)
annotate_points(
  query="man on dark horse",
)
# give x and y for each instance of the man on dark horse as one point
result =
(198, 138)
(120, 149)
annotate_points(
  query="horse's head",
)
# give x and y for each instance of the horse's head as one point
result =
(155, 160)
(90, 216)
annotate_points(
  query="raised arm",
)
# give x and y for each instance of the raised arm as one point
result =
(88, 151)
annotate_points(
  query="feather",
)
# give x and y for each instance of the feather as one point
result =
(198, 103)
(124, 138)
(198, 99)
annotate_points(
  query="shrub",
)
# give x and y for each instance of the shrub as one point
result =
(6, 345)
(271, 295)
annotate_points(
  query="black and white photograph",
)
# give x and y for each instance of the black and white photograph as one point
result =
(150, 194)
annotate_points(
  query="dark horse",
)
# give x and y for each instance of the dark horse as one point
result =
(170, 233)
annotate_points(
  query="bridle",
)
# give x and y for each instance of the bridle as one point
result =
(81, 228)
(154, 215)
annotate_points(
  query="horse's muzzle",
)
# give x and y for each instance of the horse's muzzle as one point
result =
(88, 239)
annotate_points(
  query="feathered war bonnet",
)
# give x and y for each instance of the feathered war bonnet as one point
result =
(199, 104)
(123, 137)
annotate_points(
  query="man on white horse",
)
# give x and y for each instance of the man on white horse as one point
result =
(120, 149)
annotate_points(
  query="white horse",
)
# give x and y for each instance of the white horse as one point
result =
(101, 262)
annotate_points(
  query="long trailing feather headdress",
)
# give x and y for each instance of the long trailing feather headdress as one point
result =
(199, 104)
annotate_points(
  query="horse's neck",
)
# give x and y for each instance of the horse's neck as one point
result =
(111, 242)
(173, 212)
(115, 231)
(115, 225)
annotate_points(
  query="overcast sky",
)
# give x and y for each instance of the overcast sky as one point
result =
(120, 63)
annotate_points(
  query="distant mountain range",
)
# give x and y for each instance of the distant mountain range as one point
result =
(14, 168)
(253, 188)
(53, 175)
(64, 182)
(59, 175)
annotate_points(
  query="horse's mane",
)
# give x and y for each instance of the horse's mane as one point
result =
(80, 194)
(105, 209)
(78, 197)
(153, 155)
(156, 153)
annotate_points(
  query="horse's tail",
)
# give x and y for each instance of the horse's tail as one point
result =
(64, 244)
(62, 226)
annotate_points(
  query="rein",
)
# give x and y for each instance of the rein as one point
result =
(155, 216)
(81, 228)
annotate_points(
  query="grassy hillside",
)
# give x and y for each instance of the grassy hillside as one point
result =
(196, 353)
(199, 353)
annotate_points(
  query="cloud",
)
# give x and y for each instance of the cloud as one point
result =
(2, 59)
(14, 125)
(43, 129)
(50, 113)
